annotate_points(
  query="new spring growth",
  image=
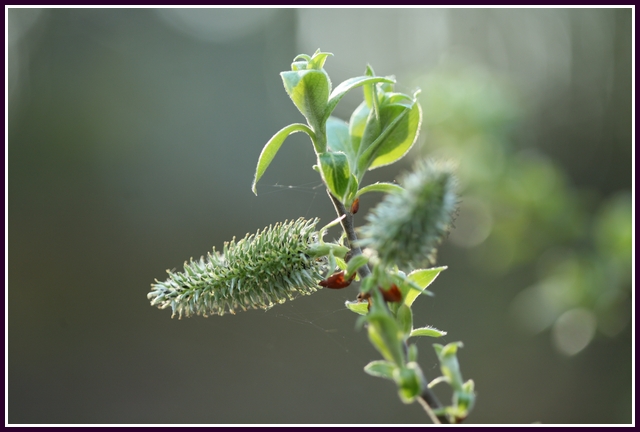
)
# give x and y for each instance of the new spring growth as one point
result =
(259, 271)
(406, 228)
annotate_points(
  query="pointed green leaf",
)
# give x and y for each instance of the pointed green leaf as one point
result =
(385, 335)
(449, 363)
(402, 136)
(309, 91)
(422, 278)
(352, 189)
(338, 139)
(324, 249)
(357, 124)
(381, 187)
(398, 98)
(361, 308)
(304, 57)
(412, 354)
(318, 59)
(380, 368)
(407, 286)
(335, 172)
(304, 62)
(376, 97)
(409, 380)
(273, 145)
(428, 331)
(371, 132)
(387, 87)
(350, 84)
(368, 89)
(355, 263)
(405, 319)
(376, 133)
(465, 399)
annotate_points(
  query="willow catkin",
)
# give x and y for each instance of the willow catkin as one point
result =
(259, 271)
(406, 228)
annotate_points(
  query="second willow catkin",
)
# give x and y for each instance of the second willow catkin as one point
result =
(259, 271)
(405, 229)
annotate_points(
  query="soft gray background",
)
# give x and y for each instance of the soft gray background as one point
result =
(133, 138)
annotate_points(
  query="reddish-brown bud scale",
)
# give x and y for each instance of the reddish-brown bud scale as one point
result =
(392, 295)
(355, 206)
(336, 281)
(365, 297)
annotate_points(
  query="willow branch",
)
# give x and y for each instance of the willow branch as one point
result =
(349, 229)
(428, 400)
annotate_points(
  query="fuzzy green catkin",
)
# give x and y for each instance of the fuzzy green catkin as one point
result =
(259, 271)
(405, 229)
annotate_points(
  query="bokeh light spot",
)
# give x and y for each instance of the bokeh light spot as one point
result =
(573, 331)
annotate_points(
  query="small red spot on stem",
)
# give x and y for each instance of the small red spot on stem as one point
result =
(355, 206)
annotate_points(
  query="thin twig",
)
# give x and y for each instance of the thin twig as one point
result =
(347, 226)
(434, 418)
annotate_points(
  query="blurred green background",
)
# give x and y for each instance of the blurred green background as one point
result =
(133, 138)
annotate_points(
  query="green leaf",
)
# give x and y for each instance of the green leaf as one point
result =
(318, 59)
(273, 145)
(381, 187)
(449, 364)
(386, 337)
(335, 172)
(373, 135)
(388, 87)
(352, 189)
(465, 399)
(403, 133)
(338, 140)
(309, 90)
(412, 354)
(350, 84)
(368, 283)
(405, 319)
(380, 368)
(369, 89)
(409, 380)
(355, 263)
(398, 98)
(428, 331)
(407, 286)
(304, 62)
(357, 124)
(338, 136)
(423, 278)
(361, 308)
(321, 249)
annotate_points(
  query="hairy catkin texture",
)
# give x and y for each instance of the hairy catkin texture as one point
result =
(405, 229)
(259, 271)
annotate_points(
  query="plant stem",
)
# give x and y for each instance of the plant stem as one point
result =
(434, 418)
(427, 399)
(349, 229)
